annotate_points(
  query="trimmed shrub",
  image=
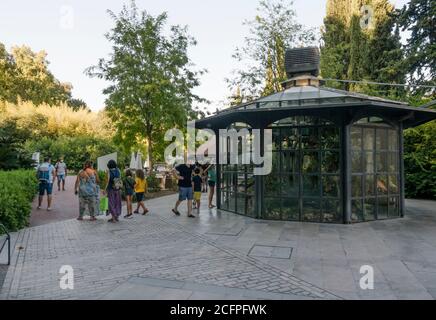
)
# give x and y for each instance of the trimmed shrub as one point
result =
(420, 161)
(152, 183)
(17, 190)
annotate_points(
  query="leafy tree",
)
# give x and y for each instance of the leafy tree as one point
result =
(272, 31)
(376, 54)
(77, 104)
(420, 161)
(419, 18)
(24, 75)
(373, 53)
(34, 80)
(55, 131)
(54, 121)
(151, 78)
(12, 155)
(7, 75)
(335, 57)
(75, 149)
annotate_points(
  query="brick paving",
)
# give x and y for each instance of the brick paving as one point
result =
(65, 205)
(220, 255)
(104, 255)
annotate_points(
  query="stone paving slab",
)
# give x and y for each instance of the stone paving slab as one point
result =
(330, 255)
(104, 258)
(139, 288)
(161, 255)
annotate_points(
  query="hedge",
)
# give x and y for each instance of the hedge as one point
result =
(17, 190)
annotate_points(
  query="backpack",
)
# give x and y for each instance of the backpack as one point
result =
(117, 182)
(129, 183)
(44, 173)
(87, 187)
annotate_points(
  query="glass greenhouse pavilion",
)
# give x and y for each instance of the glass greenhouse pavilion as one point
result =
(337, 156)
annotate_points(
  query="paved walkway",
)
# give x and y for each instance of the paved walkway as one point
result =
(65, 205)
(221, 255)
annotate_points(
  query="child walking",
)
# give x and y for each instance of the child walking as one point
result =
(129, 185)
(196, 185)
(140, 188)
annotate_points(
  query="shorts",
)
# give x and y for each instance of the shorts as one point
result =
(211, 183)
(61, 177)
(129, 192)
(45, 186)
(197, 195)
(185, 193)
(139, 196)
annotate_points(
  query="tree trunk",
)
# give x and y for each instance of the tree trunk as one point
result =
(150, 154)
(148, 133)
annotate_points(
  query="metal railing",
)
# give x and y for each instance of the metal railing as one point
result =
(8, 240)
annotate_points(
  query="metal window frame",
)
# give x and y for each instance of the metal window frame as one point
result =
(362, 151)
(299, 151)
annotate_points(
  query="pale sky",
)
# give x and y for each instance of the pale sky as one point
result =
(72, 33)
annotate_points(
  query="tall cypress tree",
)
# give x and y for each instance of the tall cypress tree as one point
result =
(372, 53)
(335, 56)
(419, 18)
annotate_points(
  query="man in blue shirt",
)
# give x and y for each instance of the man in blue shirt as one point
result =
(45, 174)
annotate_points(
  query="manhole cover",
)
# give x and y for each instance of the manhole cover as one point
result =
(265, 251)
(225, 232)
(120, 232)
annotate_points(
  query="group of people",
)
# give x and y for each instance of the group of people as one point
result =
(87, 189)
(192, 181)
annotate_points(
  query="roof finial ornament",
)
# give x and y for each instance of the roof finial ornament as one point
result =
(302, 67)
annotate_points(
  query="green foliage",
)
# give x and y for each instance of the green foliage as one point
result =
(151, 75)
(12, 155)
(334, 53)
(152, 183)
(17, 189)
(272, 31)
(418, 17)
(372, 54)
(8, 72)
(24, 75)
(420, 161)
(102, 179)
(376, 54)
(54, 131)
(77, 104)
(75, 149)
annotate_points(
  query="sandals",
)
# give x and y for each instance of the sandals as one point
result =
(127, 216)
(145, 212)
(136, 211)
(177, 213)
(191, 216)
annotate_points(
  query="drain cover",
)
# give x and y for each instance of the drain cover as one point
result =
(120, 232)
(265, 251)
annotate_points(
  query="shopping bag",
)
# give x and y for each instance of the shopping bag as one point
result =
(104, 204)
